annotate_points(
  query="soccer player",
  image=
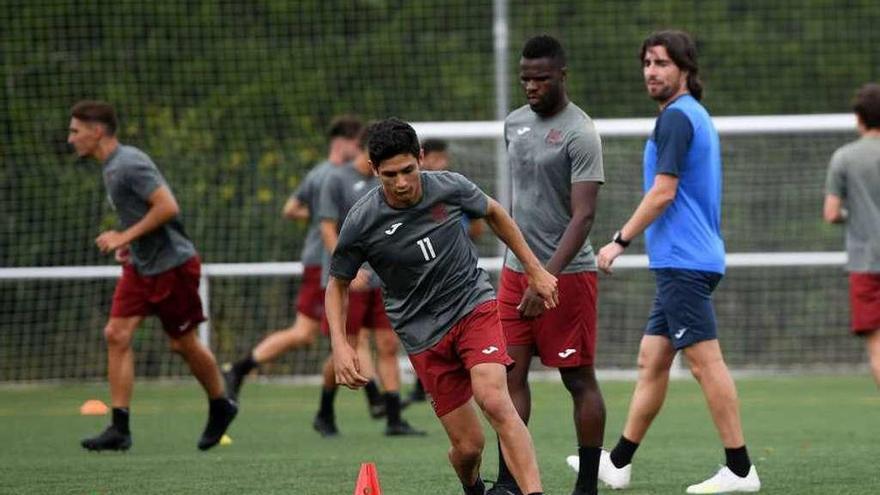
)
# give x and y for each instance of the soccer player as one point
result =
(555, 157)
(852, 196)
(440, 303)
(681, 216)
(344, 135)
(366, 312)
(160, 274)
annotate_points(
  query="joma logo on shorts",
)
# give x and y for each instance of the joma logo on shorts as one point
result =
(568, 352)
(490, 350)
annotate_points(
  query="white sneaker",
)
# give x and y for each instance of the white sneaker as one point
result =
(725, 481)
(616, 478)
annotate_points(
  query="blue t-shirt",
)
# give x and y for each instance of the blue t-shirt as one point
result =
(688, 233)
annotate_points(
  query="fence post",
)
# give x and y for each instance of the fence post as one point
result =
(205, 295)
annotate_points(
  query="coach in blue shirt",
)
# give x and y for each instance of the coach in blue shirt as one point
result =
(681, 216)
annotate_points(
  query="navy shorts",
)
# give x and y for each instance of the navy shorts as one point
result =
(682, 309)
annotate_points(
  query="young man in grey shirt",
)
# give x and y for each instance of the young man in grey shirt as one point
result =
(440, 303)
(852, 196)
(160, 275)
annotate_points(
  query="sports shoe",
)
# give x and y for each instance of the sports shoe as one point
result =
(233, 382)
(725, 481)
(221, 412)
(403, 429)
(503, 488)
(109, 439)
(326, 427)
(616, 478)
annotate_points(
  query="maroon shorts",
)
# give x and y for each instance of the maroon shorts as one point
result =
(366, 309)
(564, 336)
(864, 302)
(172, 295)
(444, 369)
(310, 300)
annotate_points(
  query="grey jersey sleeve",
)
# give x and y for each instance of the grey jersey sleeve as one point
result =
(349, 254)
(329, 198)
(143, 179)
(835, 183)
(473, 201)
(585, 152)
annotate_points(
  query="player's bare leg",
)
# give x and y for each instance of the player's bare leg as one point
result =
(466, 446)
(708, 367)
(388, 366)
(302, 333)
(521, 396)
(375, 401)
(589, 424)
(120, 373)
(655, 359)
(489, 384)
(872, 343)
(221, 409)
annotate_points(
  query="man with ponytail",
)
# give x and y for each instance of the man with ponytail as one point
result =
(681, 217)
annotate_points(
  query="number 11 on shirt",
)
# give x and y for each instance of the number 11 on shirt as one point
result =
(427, 248)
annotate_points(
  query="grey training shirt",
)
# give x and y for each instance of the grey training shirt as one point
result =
(854, 176)
(130, 177)
(342, 188)
(309, 193)
(426, 261)
(546, 156)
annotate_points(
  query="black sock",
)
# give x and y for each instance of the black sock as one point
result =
(504, 476)
(244, 365)
(218, 404)
(392, 407)
(120, 420)
(537, 493)
(419, 388)
(372, 391)
(477, 488)
(738, 461)
(328, 396)
(588, 471)
(623, 452)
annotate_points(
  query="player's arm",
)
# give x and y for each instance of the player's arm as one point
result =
(540, 280)
(329, 233)
(673, 137)
(653, 204)
(163, 208)
(294, 209)
(476, 228)
(346, 365)
(833, 210)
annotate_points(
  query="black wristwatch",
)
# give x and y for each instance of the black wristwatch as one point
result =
(618, 239)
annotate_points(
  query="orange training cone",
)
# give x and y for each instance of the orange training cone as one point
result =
(368, 481)
(93, 407)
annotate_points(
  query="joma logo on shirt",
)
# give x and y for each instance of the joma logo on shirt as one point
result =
(393, 228)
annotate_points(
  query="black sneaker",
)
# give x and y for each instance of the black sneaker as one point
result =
(326, 427)
(220, 414)
(109, 439)
(377, 409)
(504, 488)
(403, 429)
(233, 382)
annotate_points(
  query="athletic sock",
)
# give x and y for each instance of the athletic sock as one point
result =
(328, 396)
(504, 475)
(588, 471)
(372, 391)
(738, 461)
(477, 488)
(392, 407)
(623, 452)
(120, 420)
(537, 493)
(244, 365)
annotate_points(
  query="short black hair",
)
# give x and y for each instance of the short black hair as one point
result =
(345, 126)
(544, 46)
(389, 138)
(683, 51)
(432, 145)
(96, 111)
(866, 105)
